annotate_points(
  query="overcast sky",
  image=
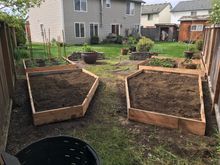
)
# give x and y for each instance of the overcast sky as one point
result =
(173, 2)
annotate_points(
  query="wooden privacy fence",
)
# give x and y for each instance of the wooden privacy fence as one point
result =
(211, 59)
(7, 79)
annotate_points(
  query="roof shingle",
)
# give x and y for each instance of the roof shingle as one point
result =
(193, 5)
(154, 8)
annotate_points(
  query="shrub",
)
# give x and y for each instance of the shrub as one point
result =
(87, 48)
(20, 36)
(145, 44)
(131, 41)
(119, 39)
(199, 45)
(94, 40)
(21, 53)
(215, 14)
(192, 48)
(166, 62)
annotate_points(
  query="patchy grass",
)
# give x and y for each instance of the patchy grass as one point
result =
(112, 51)
(105, 126)
(170, 49)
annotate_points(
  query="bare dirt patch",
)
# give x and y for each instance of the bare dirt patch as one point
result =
(172, 94)
(60, 90)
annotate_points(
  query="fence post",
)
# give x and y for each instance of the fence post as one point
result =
(7, 59)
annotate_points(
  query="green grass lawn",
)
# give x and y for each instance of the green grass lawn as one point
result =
(112, 51)
(170, 49)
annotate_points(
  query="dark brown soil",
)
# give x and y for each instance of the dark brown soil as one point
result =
(60, 90)
(172, 94)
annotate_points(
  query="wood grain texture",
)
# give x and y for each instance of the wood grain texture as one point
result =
(171, 70)
(61, 114)
(170, 121)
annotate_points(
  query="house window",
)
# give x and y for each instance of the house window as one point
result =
(136, 28)
(94, 29)
(150, 17)
(130, 8)
(116, 29)
(197, 28)
(193, 13)
(79, 30)
(108, 3)
(80, 5)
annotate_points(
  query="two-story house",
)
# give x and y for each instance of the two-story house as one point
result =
(190, 8)
(155, 14)
(81, 19)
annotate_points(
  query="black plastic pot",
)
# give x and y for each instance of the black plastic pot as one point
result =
(188, 54)
(60, 150)
(90, 57)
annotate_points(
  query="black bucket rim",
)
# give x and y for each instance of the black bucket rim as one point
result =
(90, 148)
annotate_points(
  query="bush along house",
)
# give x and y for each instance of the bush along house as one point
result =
(80, 20)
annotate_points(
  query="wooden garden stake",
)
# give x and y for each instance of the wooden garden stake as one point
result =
(43, 36)
(58, 46)
(46, 46)
(49, 44)
(64, 45)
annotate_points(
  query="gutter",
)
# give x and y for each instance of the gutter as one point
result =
(101, 13)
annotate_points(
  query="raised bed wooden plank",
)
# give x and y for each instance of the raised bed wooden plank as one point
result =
(154, 118)
(171, 70)
(201, 71)
(49, 68)
(89, 97)
(170, 121)
(57, 115)
(60, 114)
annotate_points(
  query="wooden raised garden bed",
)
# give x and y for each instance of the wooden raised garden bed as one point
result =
(39, 65)
(193, 66)
(59, 95)
(171, 99)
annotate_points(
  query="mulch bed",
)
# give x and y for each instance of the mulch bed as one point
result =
(171, 94)
(60, 90)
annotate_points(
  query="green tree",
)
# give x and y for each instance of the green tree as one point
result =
(215, 15)
(18, 7)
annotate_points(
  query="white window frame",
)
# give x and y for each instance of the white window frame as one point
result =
(130, 14)
(119, 25)
(199, 27)
(150, 16)
(94, 23)
(139, 27)
(195, 13)
(109, 3)
(80, 29)
(80, 10)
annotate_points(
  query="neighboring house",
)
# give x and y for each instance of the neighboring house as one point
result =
(190, 8)
(82, 19)
(192, 27)
(156, 33)
(155, 14)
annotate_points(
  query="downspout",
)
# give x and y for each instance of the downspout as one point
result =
(101, 13)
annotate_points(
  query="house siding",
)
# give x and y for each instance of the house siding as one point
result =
(163, 17)
(113, 15)
(50, 14)
(186, 35)
(175, 16)
(146, 23)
